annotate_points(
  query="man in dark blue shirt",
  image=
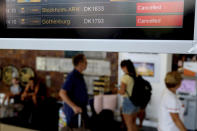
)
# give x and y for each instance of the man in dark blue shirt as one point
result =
(74, 92)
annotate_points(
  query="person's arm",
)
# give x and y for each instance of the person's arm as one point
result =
(176, 119)
(24, 94)
(67, 100)
(26, 89)
(36, 90)
(123, 87)
(30, 94)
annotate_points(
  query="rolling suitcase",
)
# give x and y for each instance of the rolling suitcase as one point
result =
(80, 125)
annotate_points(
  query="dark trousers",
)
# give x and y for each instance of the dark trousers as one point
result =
(84, 120)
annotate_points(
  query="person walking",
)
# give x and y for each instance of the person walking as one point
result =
(74, 93)
(171, 109)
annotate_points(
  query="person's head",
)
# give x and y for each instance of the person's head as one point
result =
(128, 67)
(32, 81)
(80, 62)
(173, 80)
(15, 80)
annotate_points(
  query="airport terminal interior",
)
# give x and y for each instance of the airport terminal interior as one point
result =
(73, 65)
(102, 78)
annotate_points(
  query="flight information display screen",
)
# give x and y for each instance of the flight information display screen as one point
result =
(94, 13)
(98, 19)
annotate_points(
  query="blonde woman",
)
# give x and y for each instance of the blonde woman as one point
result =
(171, 109)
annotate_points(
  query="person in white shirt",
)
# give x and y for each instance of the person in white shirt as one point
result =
(15, 90)
(171, 110)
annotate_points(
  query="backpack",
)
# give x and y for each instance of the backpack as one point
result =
(141, 94)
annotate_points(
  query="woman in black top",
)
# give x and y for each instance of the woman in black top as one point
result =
(31, 91)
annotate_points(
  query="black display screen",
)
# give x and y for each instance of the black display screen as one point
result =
(98, 19)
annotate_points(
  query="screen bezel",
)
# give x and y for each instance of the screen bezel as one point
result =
(108, 45)
(185, 33)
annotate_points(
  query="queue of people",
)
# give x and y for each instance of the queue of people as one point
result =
(75, 97)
